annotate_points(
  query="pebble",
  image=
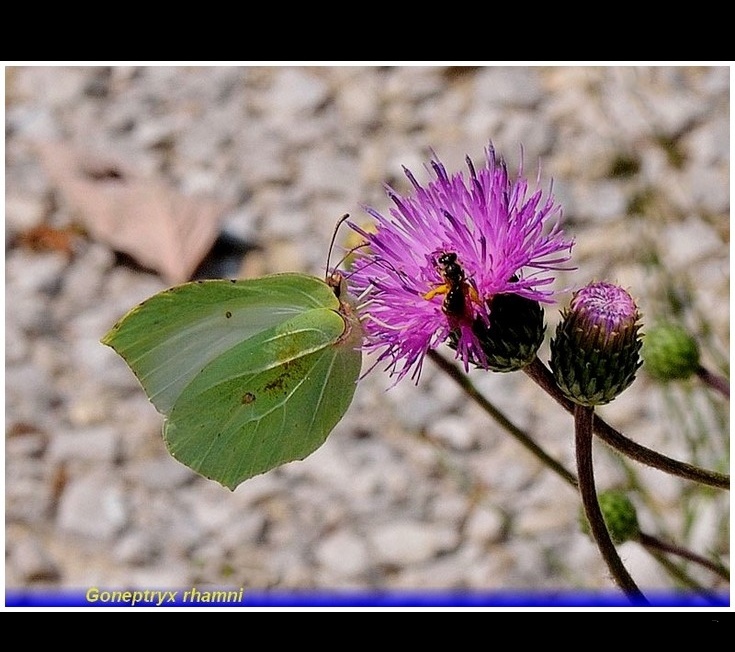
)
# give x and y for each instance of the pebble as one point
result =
(99, 445)
(135, 549)
(29, 498)
(603, 201)
(30, 394)
(358, 99)
(485, 525)
(649, 576)
(162, 473)
(297, 91)
(707, 145)
(688, 242)
(35, 273)
(708, 193)
(32, 562)
(326, 172)
(344, 553)
(517, 87)
(405, 543)
(17, 345)
(452, 431)
(84, 278)
(93, 506)
(23, 212)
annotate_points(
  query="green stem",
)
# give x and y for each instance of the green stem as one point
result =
(541, 375)
(583, 418)
(718, 383)
(464, 382)
(652, 543)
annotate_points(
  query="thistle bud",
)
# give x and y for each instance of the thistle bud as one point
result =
(619, 515)
(595, 353)
(514, 334)
(670, 352)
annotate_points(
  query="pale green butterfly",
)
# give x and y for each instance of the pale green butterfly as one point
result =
(248, 374)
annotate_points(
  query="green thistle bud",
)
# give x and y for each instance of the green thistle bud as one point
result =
(619, 515)
(514, 335)
(595, 353)
(670, 352)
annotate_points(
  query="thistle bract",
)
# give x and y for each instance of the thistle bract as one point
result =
(433, 267)
(513, 337)
(595, 351)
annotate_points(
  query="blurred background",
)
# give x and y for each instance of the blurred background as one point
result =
(121, 181)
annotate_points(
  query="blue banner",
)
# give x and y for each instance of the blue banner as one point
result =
(98, 596)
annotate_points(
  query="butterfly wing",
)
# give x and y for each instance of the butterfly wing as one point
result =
(250, 374)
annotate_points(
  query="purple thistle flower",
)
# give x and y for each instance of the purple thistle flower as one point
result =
(604, 311)
(431, 268)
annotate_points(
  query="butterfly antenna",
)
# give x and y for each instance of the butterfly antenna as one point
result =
(340, 221)
(351, 251)
(378, 261)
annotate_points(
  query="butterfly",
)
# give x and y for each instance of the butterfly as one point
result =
(248, 374)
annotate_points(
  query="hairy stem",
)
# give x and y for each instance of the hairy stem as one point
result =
(652, 543)
(583, 418)
(718, 383)
(541, 375)
(464, 382)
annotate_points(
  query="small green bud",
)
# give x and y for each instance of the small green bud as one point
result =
(595, 352)
(514, 335)
(670, 352)
(619, 515)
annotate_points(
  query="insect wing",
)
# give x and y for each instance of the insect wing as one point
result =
(272, 399)
(171, 337)
(250, 374)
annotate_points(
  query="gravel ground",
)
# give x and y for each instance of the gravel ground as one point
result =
(416, 488)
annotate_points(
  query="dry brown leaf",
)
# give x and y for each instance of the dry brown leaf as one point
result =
(48, 238)
(160, 228)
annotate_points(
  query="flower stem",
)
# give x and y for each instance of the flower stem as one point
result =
(652, 543)
(464, 382)
(683, 579)
(649, 542)
(541, 375)
(718, 383)
(583, 418)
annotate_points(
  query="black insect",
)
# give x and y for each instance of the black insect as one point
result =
(456, 288)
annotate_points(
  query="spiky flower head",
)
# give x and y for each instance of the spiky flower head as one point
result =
(432, 268)
(670, 352)
(513, 338)
(595, 352)
(619, 514)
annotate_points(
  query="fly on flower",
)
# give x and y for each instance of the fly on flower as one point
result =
(467, 239)
(457, 291)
